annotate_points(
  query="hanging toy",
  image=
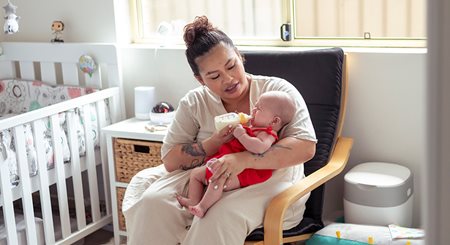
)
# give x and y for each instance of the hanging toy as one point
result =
(57, 28)
(87, 64)
(11, 19)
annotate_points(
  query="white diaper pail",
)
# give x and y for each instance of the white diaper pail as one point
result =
(378, 193)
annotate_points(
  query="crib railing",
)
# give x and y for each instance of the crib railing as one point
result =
(42, 181)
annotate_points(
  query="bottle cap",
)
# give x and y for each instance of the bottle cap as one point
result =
(244, 118)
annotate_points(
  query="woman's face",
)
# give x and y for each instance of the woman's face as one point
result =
(222, 71)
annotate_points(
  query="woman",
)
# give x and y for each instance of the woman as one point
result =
(153, 214)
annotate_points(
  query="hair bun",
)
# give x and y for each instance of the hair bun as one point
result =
(199, 27)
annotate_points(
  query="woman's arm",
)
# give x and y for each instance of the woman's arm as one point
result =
(286, 152)
(191, 155)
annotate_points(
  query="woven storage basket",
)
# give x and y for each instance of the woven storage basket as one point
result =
(120, 194)
(132, 156)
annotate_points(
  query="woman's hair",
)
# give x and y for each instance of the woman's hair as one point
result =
(200, 36)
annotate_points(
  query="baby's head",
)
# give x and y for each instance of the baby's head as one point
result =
(273, 108)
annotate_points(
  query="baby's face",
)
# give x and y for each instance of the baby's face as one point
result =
(262, 114)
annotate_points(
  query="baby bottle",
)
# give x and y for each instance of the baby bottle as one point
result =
(231, 118)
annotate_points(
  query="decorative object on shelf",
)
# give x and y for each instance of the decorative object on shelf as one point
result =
(163, 107)
(57, 28)
(11, 19)
(87, 64)
(162, 113)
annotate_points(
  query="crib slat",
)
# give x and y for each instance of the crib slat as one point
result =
(8, 210)
(116, 102)
(60, 176)
(7, 69)
(27, 200)
(113, 76)
(76, 170)
(70, 74)
(91, 164)
(27, 70)
(46, 207)
(101, 115)
(48, 73)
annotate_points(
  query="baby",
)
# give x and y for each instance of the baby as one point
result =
(272, 111)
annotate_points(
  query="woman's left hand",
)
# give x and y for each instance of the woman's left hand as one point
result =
(230, 166)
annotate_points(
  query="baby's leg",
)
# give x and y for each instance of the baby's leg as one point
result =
(213, 194)
(196, 188)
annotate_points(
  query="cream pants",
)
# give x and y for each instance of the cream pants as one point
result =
(153, 215)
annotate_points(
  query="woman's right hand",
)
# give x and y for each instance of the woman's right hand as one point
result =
(212, 144)
(225, 134)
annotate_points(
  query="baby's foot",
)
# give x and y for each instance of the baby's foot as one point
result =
(184, 202)
(197, 211)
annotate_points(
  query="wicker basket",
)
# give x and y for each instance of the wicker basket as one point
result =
(120, 194)
(132, 156)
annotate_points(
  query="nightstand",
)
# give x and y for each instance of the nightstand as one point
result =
(131, 148)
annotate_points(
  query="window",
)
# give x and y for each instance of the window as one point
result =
(400, 23)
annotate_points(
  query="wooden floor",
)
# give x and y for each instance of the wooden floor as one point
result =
(99, 237)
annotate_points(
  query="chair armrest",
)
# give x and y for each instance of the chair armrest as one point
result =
(273, 220)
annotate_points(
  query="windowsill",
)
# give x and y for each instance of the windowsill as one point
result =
(391, 50)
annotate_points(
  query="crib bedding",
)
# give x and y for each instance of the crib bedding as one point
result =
(21, 96)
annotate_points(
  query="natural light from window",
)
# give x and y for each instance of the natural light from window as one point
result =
(307, 22)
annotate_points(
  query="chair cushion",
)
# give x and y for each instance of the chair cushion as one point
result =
(307, 225)
(317, 74)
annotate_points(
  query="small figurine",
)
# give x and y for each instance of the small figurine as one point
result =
(11, 19)
(57, 28)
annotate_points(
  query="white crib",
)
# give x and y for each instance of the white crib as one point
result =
(57, 63)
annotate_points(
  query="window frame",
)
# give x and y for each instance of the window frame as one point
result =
(288, 16)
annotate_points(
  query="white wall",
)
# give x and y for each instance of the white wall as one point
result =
(84, 20)
(386, 106)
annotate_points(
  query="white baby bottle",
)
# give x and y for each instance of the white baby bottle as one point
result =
(231, 118)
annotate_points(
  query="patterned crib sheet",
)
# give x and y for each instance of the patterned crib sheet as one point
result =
(18, 96)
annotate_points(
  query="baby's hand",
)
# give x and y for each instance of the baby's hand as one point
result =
(238, 131)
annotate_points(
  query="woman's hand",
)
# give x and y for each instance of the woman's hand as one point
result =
(225, 134)
(227, 166)
(212, 144)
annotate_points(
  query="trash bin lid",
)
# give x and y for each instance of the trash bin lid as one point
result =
(378, 174)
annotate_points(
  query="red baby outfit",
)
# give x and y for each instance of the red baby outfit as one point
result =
(249, 176)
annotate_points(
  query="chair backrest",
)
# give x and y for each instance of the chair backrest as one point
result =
(318, 75)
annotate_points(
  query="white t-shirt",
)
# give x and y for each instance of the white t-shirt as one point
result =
(194, 119)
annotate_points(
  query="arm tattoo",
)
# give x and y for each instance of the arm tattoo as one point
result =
(195, 163)
(261, 155)
(195, 150)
